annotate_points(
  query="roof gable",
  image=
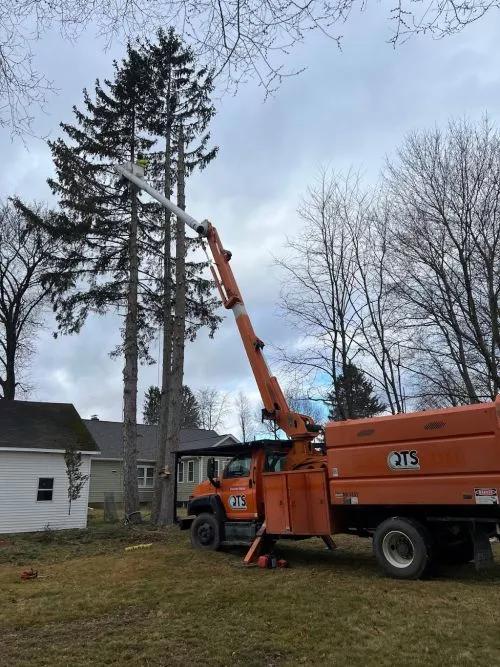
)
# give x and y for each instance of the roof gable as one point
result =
(37, 425)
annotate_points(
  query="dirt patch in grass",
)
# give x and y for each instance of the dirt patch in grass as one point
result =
(170, 605)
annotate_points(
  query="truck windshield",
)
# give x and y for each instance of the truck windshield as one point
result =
(238, 467)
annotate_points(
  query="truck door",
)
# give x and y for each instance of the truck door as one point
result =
(237, 490)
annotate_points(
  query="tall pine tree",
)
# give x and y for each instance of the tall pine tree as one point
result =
(117, 249)
(355, 397)
(101, 226)
(183, 113)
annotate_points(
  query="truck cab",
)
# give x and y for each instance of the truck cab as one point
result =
(229, 509)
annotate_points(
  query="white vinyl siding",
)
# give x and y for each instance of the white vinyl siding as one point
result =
(20, 511)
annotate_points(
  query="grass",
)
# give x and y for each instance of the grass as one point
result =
(97, 604)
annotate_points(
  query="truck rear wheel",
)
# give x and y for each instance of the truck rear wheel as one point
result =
(402, 548)
(205, 532)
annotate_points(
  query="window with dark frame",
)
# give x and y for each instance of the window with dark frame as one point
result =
(180, 472)
(190, 477)
(45, 488)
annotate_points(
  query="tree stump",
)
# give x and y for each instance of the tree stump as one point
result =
(110, 507)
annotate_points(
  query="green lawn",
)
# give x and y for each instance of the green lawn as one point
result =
(97, 604)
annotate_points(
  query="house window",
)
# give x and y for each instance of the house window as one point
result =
(190, 471)
(180, 472)
(145, 476)
(45, 488)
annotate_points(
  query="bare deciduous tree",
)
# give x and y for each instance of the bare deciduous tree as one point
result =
(244, 414)
(444, 189)
(238, 39)
(320, 280)
(23, 261)
(299, 401)
(335, 295)
(76, 479)
(381, 340)
(214, 407)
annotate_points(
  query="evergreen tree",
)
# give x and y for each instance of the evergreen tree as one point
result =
(354, 397)
(190, 413)
(180, 118)
(190, 410)
(114, 243)
(101, 229)
(151, 409)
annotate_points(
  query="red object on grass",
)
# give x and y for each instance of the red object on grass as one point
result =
(263, 561)
(29, 574)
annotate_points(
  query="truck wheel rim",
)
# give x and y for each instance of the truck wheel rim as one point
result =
(398, 549)
(205, 534)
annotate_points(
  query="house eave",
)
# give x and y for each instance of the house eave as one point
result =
(44, 451)
(120, 460)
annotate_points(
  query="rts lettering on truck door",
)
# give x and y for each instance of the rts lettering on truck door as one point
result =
(237, 488)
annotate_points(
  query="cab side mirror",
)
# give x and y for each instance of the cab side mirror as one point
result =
(211, 471)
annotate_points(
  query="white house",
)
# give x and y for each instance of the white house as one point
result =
(33, 478)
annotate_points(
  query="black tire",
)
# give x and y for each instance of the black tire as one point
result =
(403, 548)
(205, 532)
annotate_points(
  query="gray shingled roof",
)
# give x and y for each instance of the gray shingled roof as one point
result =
(108, 435)
(34, 425)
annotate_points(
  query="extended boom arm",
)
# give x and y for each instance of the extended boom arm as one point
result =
(300, 428)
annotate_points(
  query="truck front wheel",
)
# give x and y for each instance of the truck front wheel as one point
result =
(205, 532)
(402, 548)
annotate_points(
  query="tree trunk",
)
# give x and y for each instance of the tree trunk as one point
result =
(175, 403)
(159, 511)
(130, 486)
(9, 384)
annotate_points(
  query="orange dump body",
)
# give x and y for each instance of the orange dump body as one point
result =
(439, 457)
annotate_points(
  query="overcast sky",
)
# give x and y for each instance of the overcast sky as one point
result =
(349, 108)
